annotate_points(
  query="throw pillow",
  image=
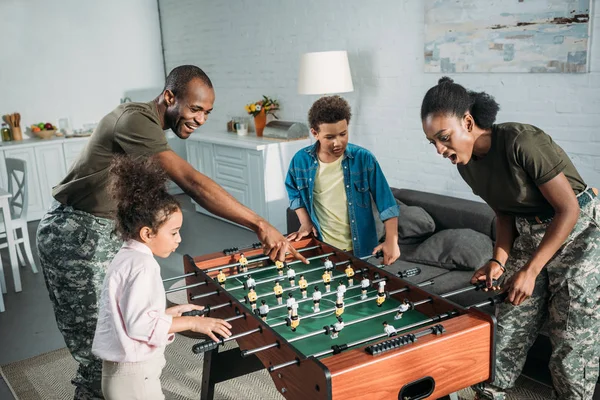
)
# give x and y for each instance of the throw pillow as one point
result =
(462, 249)
(414, 224)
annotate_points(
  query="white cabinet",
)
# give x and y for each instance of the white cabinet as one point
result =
(251, 169)
(47, 164)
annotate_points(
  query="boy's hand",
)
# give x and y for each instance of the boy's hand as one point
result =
(176, 311)
(391, 251)
(210, 326)
(304, 231)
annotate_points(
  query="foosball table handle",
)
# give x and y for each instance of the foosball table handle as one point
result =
(205, 346)
(409, 272)
(482, 285)
(499, 298)
(196, 313)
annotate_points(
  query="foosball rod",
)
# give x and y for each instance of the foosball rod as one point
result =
(491, 301)
(263, 258)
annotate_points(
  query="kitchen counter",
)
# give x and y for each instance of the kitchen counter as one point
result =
(40, 142)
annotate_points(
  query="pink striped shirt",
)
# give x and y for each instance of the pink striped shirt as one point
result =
(132, 324)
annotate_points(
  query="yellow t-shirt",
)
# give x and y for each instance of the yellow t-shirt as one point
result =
(330, 204)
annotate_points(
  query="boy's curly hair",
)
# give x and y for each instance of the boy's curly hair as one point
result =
(139, 187)
(328, 110)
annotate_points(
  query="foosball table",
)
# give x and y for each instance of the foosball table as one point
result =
(338, 327)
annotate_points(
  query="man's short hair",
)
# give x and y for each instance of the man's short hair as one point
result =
(179, 78)
(328, 110)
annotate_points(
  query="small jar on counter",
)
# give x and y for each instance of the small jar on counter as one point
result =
(6, 136)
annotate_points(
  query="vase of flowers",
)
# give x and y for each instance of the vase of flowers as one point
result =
(259, 111)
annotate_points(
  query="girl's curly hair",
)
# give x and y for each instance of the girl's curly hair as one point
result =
(139, 187)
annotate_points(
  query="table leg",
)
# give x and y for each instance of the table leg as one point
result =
(10, 238)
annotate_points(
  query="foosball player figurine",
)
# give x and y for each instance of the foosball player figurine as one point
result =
(303, 284)
(339, 307)
(402, 308)
(290, 302)
(341, 290)
(327, 280)
(389, 329)
(252, 296)
(263, 310)
(328, 264)
(278, 289)
(365, 283)
(280, 265)
(335, 328)
(250, 283)
(221, 278)
(381, 293)
(291, 274)
(243, 262)
(316, 299)
(294, 320)
(350, 274)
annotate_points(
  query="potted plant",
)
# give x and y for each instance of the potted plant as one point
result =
(259, 111)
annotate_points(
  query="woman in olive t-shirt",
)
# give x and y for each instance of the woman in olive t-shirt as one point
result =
(547, 230)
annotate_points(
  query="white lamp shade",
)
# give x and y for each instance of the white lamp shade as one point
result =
(325, 72)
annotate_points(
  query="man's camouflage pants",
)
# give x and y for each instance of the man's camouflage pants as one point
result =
(567, 296)
(75, 249)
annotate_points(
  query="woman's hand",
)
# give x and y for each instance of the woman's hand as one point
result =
(210, 326)
(305, 230)
(391, 251)
(489, 273)
(176, 311)
(520, 286)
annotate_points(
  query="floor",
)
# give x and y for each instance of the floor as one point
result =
(28, 327)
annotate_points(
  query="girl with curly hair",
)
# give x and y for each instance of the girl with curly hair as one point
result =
(134, 325)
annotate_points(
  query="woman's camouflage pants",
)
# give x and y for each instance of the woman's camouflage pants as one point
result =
(75, 249)
(567, 295)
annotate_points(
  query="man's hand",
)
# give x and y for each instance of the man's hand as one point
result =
(304, 231)
(489, 272)
(274, 244)
(391, 251)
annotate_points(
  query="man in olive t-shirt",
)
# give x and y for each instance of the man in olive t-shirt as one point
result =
(75, 238)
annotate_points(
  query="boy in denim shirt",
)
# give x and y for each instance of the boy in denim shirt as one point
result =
(330, 185)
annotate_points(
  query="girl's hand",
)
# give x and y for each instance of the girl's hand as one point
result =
(304, 231)
(489, 272)
(176, 311)
(391, 251)
(520, 286)
(210, 326)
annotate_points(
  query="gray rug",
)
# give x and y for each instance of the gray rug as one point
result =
(48, 376)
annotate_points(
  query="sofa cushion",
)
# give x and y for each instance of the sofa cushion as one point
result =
(451, 212)
(414, 224)
(463, 249)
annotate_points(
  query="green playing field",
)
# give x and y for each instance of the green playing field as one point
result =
(311, 321)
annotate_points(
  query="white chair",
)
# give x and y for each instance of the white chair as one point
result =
(17, 186)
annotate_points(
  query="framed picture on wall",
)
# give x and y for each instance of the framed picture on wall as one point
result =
(539, 36)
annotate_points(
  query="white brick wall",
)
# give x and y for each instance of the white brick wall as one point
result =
(250, 48)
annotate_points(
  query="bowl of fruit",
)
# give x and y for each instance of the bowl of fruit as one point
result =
(43, 130)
